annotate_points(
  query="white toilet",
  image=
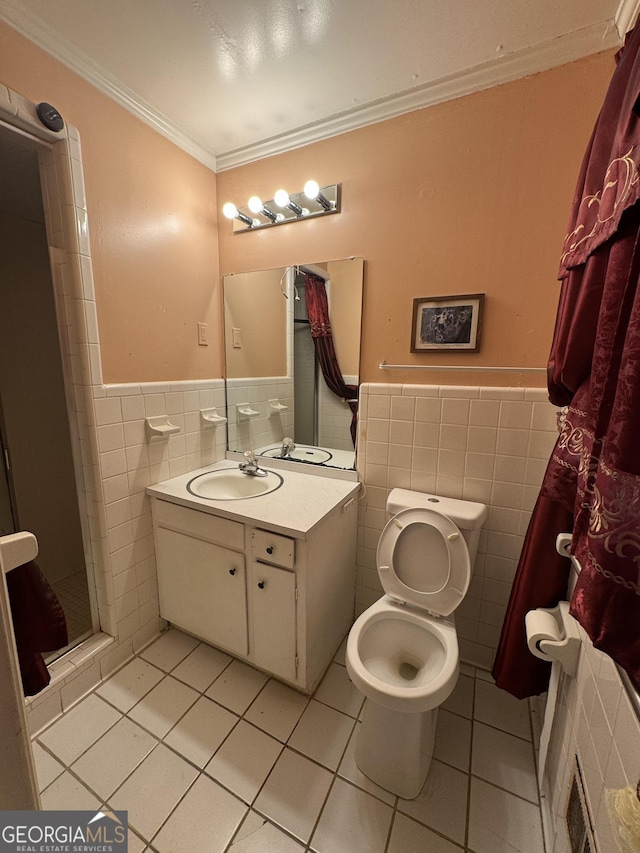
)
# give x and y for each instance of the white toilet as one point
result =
(402, 653)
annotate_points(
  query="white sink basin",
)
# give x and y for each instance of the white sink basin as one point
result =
(231, 484)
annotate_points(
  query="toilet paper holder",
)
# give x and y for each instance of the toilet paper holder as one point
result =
(553, 635)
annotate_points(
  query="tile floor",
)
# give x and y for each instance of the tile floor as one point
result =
(208, 755)
(73, 595)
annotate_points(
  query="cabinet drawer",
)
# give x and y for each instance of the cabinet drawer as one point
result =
(273, 548)
(222, 531)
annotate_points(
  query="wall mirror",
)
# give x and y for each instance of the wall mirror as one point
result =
(278, 377)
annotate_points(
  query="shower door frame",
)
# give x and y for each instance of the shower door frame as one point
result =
(62, 182)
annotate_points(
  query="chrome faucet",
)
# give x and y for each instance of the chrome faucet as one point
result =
(251, 466)
(287, 448)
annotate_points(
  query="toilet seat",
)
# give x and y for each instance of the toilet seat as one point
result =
(423, 560)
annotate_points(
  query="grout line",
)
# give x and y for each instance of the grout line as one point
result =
(467, 827)
(335, 773)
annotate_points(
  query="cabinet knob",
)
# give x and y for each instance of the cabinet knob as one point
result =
(261, 584)
(270, 549)
(232, 571)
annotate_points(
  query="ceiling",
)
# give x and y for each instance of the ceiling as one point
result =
(234, 80)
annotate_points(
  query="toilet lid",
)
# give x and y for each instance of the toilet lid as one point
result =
(423, 560)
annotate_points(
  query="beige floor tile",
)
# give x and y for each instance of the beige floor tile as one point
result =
(453, 740)
(352, 821)
(135, 844)
(408, 836)
(257, 835)
(498, 708)
(237, 687)
(244, 760)
(66, 792)
(47, 767)
(201, 668)
(337, 690)
(500, 822)
(294, 793)
(130, 684)
(79, 728)
(204, 821)
(153, 790)
(504, 760)
(106, 765)
(322, 734)
(277, 709)
(442, 803)
(163, 706)
(201, 731)
(169, 649)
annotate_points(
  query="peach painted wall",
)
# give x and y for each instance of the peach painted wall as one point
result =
(472, 195)
(254, 304)
(153, 227)
(468, 196)
(345, 304)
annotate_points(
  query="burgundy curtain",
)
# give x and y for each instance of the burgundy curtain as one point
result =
(318, 312)
(39, 623)
(593, 477)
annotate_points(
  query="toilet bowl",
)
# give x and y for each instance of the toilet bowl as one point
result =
(402, 653)
(401, 658)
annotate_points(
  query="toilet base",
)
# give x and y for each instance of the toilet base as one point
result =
(394, 750)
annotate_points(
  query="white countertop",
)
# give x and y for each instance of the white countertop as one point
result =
(295, 508)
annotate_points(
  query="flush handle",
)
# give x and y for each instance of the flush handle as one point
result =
(261, 584)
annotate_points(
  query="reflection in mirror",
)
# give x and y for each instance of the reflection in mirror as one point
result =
(278, 401)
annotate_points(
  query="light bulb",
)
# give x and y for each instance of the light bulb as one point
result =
(255, 204)
(230, 210)
(281, 198)
(311, 189)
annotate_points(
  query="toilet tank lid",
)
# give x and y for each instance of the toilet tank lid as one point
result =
(467, 515)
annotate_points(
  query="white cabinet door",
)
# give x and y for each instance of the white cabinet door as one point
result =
(272, 619)
(202, 589)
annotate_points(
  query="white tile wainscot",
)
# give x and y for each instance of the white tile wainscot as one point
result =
(483, 444)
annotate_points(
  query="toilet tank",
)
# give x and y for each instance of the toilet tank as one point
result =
(468, 516)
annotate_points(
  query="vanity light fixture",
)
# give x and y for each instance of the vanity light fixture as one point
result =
(312, 191)
(296, 207)
(283, 199)
(255, 205)
(232, 212)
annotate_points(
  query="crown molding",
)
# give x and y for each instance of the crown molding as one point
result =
(626, 15)
(41, 34)
(501, 70)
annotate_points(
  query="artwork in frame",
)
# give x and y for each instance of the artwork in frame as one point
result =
(442, 323)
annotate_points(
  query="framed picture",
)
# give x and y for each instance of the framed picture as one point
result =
(443, 323)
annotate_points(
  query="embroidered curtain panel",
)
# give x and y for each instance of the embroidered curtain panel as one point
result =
(318, 313)
(592, 481)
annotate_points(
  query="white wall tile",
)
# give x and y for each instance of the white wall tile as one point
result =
(470, 443)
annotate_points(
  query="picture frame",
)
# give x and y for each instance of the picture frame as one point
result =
(446, 323)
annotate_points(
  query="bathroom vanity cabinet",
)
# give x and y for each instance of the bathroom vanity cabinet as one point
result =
(280, 597)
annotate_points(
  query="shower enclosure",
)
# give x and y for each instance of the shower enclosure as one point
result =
(37, 477)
